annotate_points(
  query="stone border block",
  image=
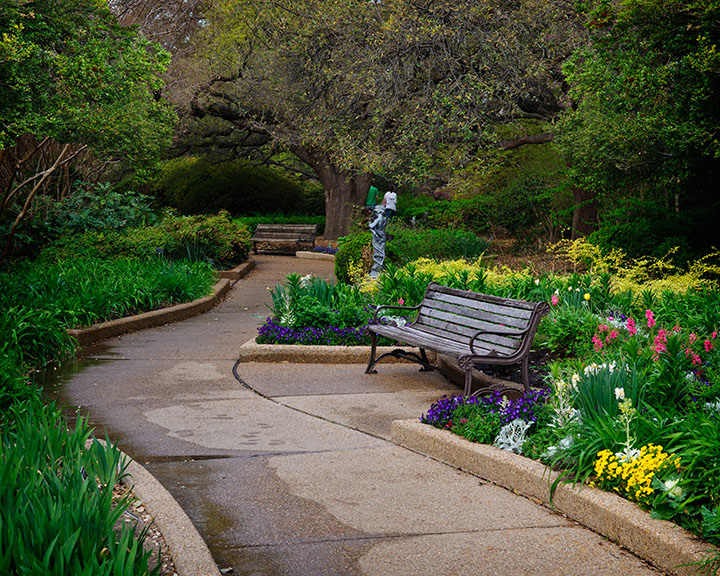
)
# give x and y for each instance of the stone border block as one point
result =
(662, 543)
(314, 255)
(189, 551)
(298, 354)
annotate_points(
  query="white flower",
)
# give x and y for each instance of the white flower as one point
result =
(627, 455)
(619, 393)
(537, 281)
(713, 406)
(672, 488)
(575, 379)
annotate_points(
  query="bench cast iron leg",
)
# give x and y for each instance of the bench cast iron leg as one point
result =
(373, 348)
(426, 366)
(468, 381)
(526, 373)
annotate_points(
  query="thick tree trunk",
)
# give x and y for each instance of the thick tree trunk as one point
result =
(344, 192)
(585, 213)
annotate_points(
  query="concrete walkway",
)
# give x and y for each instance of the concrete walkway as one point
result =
(304, 480)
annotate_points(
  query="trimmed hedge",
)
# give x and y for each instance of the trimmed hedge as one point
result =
(194, 185)
(216, 239)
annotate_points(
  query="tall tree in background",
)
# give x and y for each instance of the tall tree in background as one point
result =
(72, 79)
(355, 87)
(644, 136)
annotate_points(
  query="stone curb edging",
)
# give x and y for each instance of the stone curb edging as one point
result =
(662, 543)
(314, 255)
(187, 548)
(240, 271)
(111, 328)
(300, 354)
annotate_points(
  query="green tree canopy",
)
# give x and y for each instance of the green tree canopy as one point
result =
(70, 72)
(72, 79)
(356, 87)
(646, 126)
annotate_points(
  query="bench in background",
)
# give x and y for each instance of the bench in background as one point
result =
(301, 235)
(475, 329)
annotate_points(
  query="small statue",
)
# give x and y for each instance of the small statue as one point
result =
(379, 238)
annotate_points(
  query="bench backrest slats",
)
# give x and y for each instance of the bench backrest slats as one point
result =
(460, 328)
(503, 306)
(286, 228)
(278, 235)
(463, 335)
(458, 315)
(483, 319)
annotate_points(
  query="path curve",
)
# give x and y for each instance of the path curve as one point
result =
(304, 480)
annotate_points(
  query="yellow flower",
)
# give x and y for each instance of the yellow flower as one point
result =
(586, 296)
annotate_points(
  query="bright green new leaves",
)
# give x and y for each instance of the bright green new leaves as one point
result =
(69, 71)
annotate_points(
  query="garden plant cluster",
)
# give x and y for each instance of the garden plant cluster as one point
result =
(59, 503)
(631, 402)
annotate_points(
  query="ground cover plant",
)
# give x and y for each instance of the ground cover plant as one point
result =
(57, 506)
(632, 403)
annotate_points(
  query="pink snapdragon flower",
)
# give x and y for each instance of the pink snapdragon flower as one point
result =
(555, 300)
(708, 345)
(659, 344)
(650, 318)
(598, 343)
(401, 302)
(611, 336)
(631, 328)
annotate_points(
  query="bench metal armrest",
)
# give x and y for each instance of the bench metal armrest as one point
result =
(376, 320)
(498, 332)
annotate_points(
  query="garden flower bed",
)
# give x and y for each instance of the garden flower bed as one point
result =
(631, 402)
(639, 416)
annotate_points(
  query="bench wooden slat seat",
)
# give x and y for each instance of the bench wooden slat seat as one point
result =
(476, 329)
(298, 234)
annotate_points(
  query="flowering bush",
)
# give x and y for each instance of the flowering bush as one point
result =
(633, 477)
(272, 332)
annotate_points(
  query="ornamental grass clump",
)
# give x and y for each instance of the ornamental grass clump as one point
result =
(58, 511)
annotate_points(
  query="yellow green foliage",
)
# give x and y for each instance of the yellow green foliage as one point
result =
(647, 273)
(440, 271)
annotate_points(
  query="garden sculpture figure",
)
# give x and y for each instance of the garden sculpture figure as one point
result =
(377, 227)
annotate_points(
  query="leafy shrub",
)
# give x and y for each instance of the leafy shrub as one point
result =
(350, 256)
(409, 244)
(57, 506)
(99, 208)
(568, 331)
(215, 239)
(194, 185)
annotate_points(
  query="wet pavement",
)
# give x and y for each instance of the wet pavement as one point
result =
(295, 473)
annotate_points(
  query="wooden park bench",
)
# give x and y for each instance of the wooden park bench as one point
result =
(475, 329)
(297, 234)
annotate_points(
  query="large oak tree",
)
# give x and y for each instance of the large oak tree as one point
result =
(355, 87)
